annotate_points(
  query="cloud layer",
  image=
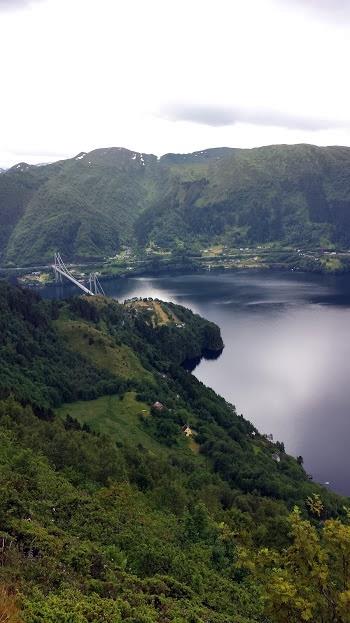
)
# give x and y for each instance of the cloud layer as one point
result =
(217, 116)
(336, 10)
(14, 5)
(82, 74)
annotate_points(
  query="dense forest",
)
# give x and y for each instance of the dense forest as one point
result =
(130, 492)
(91, 205)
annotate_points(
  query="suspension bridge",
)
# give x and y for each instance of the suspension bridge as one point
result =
(61, 270)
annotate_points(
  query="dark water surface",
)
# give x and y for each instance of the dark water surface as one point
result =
(286, 359)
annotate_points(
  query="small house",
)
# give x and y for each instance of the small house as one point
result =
(187, 430)
(276, 457)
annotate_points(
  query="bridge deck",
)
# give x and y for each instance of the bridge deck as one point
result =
(72, 279)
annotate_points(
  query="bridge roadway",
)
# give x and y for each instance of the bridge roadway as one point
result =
(67, 275)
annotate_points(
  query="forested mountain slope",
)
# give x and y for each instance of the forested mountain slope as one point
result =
(83, 206)
(130, 492)
(89, 205)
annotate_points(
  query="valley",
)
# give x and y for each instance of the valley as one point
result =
(216, 258)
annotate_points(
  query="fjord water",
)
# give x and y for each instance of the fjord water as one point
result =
(286, 359)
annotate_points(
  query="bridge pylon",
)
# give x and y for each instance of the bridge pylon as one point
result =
(55, 266)
(61, 270)
(94, 284)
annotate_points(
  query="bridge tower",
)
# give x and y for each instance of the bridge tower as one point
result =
(61, 270)
(94, 284)
(58, 274)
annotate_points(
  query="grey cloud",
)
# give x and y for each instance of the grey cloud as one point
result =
(217, 116)
(335, 10)
(14, 5)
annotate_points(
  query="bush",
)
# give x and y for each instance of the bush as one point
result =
(9, 611)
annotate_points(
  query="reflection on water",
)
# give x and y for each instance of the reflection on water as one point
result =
(209, 355)
(285, 362)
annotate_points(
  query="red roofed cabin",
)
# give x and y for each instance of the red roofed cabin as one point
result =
(158, 406)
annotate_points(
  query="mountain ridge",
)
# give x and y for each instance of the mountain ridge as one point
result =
(91, 204)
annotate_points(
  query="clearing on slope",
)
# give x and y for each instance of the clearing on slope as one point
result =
(102, 350)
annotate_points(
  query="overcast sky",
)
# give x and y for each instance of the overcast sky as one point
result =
(171, 75)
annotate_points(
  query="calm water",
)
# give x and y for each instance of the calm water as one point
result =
(286, 359)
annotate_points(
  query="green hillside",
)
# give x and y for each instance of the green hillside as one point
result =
(294, 194)
(111, 513)
(84, 206)
(89, 205)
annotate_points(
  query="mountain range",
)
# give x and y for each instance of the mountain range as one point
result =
(90, 205)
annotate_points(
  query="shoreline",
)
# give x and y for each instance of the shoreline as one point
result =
(14, 274)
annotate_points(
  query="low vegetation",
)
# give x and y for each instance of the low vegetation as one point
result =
(110, 513)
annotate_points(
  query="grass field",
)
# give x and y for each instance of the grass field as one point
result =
(161, 314)
(121, 420)
(101, 350)
(111, 416)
